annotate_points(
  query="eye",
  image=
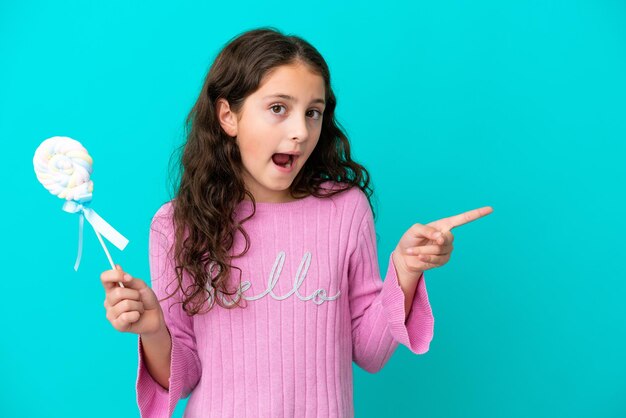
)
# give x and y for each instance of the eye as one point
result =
(279, 106)
(274, 106)
(319, 114)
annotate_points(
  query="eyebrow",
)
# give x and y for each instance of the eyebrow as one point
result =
(293, 99)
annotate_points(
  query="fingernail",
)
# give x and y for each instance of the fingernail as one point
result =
(437, 234)
(409, 250)
(127, 277)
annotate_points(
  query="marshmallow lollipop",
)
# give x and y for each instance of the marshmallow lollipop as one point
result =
(64, 167)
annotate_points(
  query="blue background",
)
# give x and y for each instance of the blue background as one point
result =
(451, 105)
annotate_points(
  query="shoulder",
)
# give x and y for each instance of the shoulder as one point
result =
(349, 195)
(164, 211)
(162, 221)
(352, 201)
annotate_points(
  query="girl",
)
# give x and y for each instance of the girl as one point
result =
(265, 321)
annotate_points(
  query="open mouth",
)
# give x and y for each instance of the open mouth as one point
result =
(284, 160)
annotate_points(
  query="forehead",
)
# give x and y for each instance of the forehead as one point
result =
(294, 80)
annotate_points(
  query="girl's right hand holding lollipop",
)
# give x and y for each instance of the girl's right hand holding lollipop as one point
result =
(132, 308)
(135, 308)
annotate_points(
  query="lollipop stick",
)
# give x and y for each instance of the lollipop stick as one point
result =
(107, 253)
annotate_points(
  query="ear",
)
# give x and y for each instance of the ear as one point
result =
(227, 119)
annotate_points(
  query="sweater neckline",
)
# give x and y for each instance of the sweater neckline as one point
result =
(276, 206)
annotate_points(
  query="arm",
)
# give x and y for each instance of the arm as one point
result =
(157, 351)
(408, 284)
(169, 366)
(382, 314)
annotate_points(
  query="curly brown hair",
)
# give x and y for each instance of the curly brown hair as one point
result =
(208, 184)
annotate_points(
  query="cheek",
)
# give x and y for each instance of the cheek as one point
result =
(252, 152)
(316, 132)
(313, 144)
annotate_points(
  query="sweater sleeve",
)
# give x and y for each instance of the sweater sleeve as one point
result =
(154, 400)
(377, 307)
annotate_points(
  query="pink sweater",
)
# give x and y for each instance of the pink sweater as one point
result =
(315, 303)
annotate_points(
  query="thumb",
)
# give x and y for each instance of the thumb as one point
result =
(427, 231)
(146, 294)
(149, 298)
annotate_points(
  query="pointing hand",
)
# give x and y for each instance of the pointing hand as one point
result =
(423, 247)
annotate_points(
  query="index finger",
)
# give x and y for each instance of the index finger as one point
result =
(135, 283)
(466, 217)
(111, 278)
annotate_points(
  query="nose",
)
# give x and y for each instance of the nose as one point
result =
(299, 129)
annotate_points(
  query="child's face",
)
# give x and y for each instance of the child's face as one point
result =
(269, 124)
